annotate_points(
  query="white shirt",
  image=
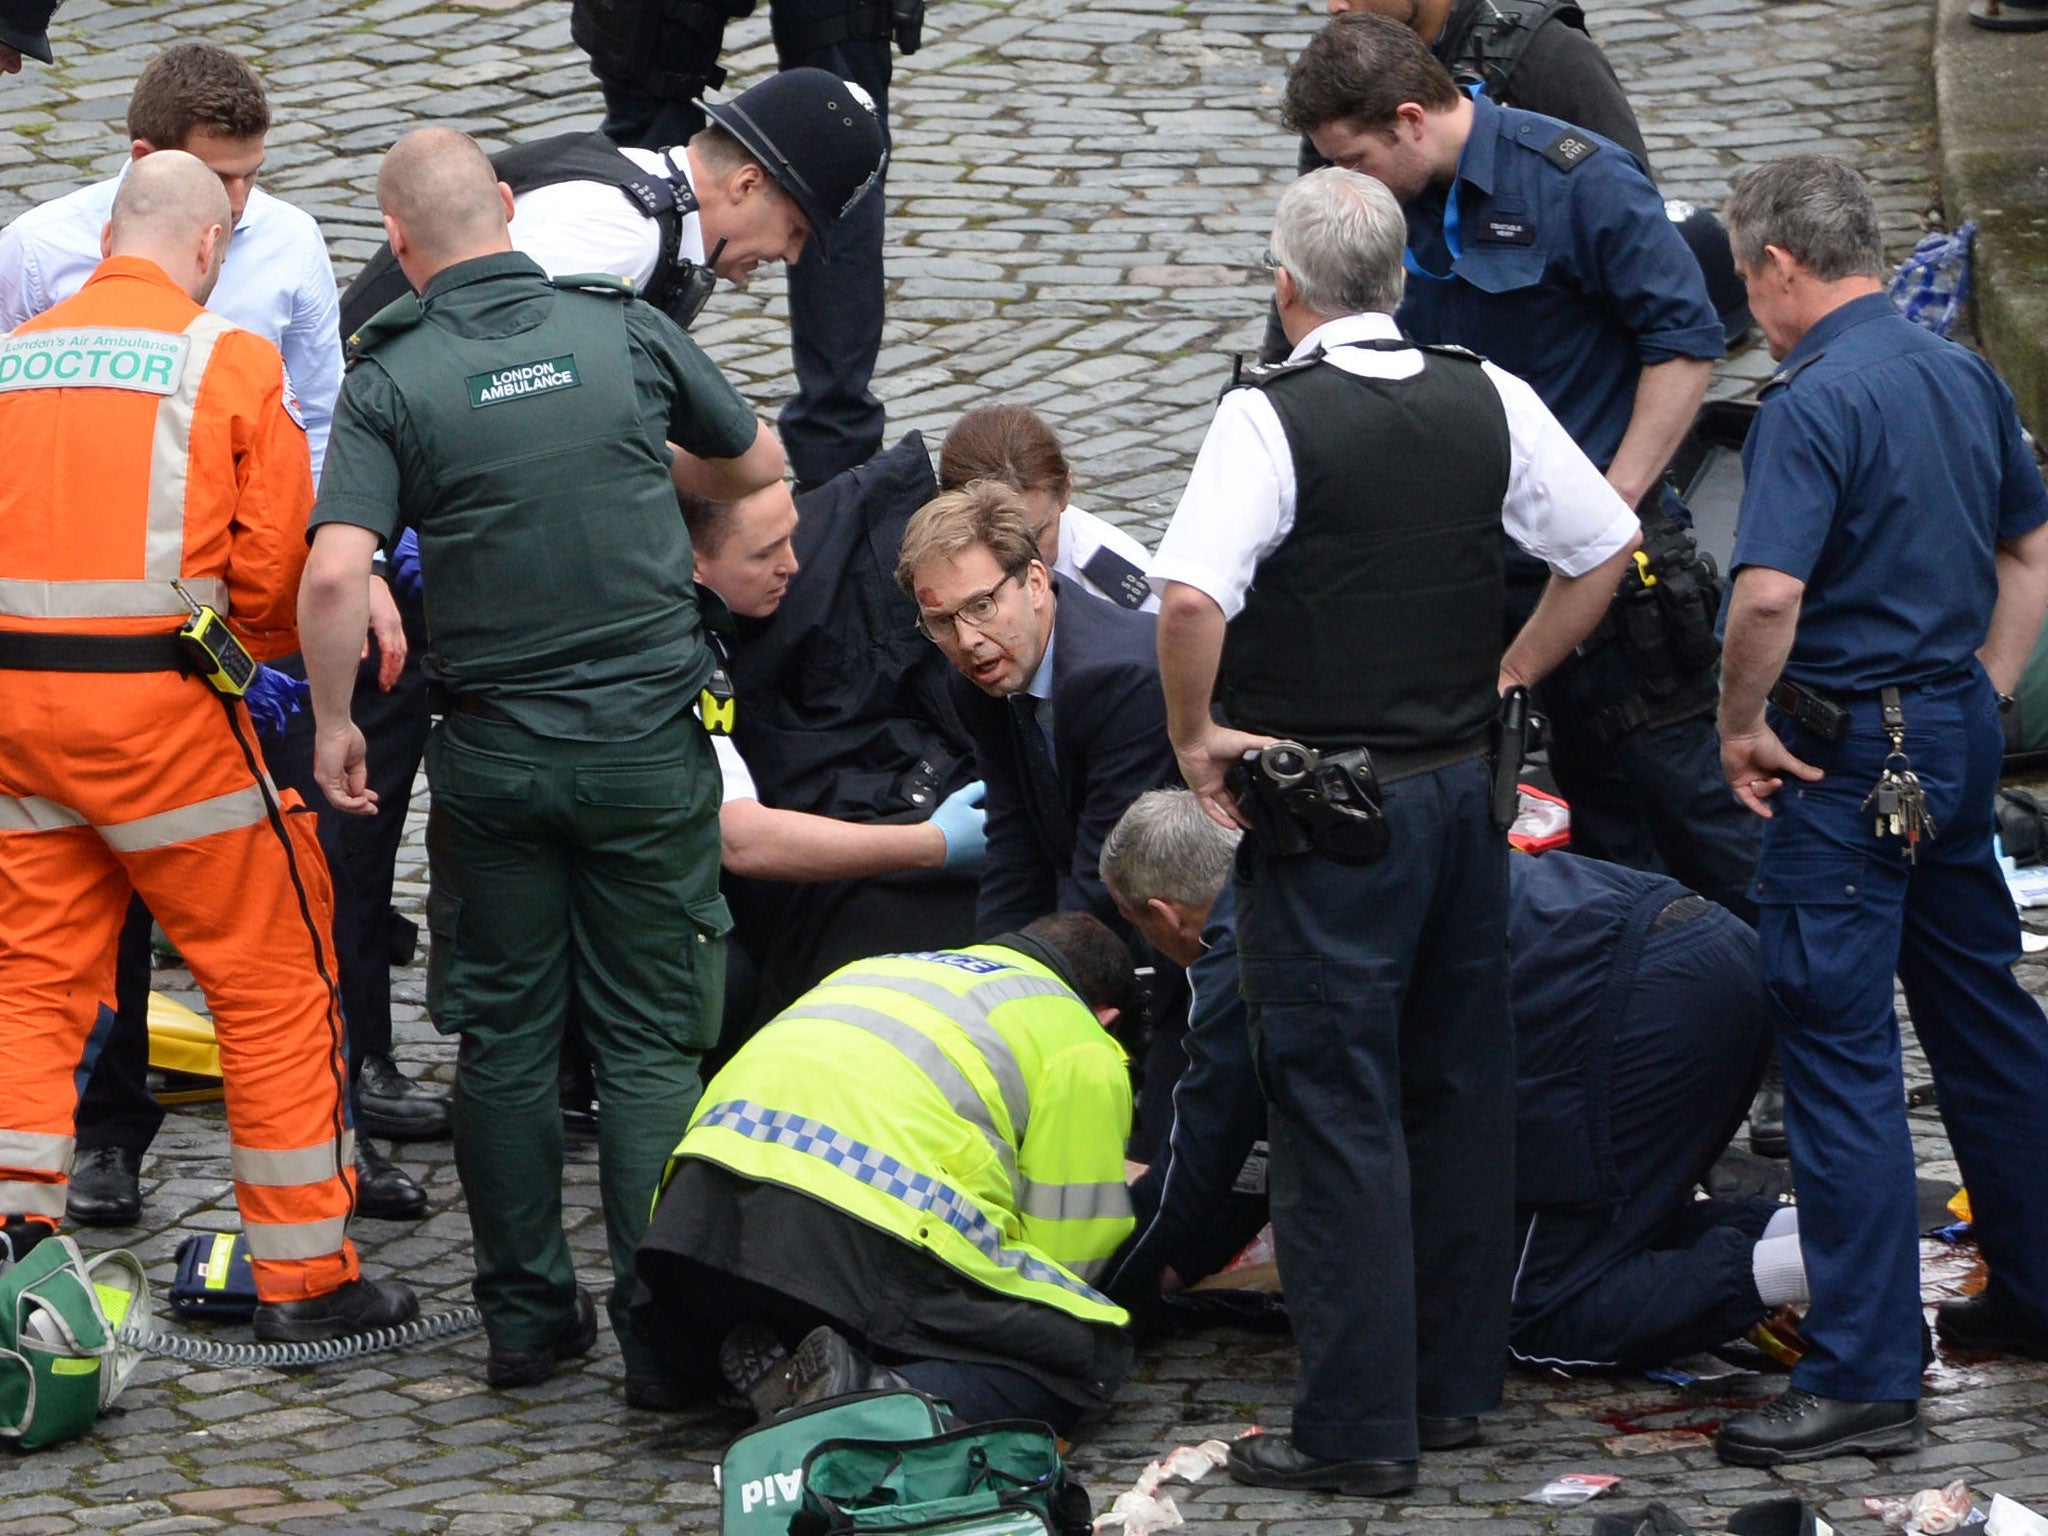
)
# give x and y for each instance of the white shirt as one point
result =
(1239, 503)
(277, 282)
(736, 779)
(591, 226)
(1082, 533)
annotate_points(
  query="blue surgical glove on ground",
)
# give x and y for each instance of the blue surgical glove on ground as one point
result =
(272, 695)
(962, 822)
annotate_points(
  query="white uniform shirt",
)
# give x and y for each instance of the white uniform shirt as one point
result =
(1239, 503)
(591, 226)
(736, 779)
(1082, 533)
(277, 282)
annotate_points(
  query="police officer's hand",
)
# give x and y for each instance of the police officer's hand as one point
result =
(339, 758)
(1756, 764)
(1205, 760)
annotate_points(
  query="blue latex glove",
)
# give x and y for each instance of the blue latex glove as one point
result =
(962, 822)
(404, 561)
(272, 695)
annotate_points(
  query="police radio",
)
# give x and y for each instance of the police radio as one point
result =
(212, 651)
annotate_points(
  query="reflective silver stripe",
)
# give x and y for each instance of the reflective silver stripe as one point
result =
(170, 454)
(22, 599)
(923, 1053)
(969, 1010)
(21, 1197)
(32, 813)
(188, 823)
(1076, 1202)
(295, 1239)
(36, 1151)
(298, 1165)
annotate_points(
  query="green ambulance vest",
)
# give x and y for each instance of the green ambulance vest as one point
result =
(556, 562)
(963, 1100)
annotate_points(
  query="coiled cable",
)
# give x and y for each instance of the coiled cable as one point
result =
(371, 1341)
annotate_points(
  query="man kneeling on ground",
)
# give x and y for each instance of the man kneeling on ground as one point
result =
(914, 1174)
(1639, 1036)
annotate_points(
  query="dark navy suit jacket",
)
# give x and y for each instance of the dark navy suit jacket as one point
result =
(1109, 747)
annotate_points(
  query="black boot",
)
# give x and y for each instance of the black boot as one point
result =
(1767, 1113)
(385, 1191)
(357, 1307)
(825, 1365)
(106, 1188)
(392, 1105)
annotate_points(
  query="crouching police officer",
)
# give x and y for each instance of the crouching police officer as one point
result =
(521, 427)
(1372, 895)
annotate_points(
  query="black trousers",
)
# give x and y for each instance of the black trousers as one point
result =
(1659, 1275)
(1378, 1001)
(117, 1109)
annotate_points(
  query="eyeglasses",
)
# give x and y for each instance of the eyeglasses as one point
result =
(978, 612)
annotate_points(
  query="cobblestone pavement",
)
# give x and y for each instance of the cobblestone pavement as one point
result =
(1078, 200)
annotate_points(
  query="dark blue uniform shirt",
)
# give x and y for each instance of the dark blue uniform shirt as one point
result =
(1884, 466)
(1557, 262)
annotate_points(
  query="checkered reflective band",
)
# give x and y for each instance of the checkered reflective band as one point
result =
(878, 1170)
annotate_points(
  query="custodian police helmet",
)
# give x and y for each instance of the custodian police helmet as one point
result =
(818, 137)
(24, 27)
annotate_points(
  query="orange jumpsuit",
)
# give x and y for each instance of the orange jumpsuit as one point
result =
(147, 439)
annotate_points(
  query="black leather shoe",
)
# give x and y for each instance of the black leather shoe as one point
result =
(1446, 1434)
(529, 1367)
(356, 1307)
(392, 1105)
(1271, 1461)
(825, 1365)
(1799, 1425)
(385, 1191)
(106, 1188)
(1767, 1114)
(1984, 1324)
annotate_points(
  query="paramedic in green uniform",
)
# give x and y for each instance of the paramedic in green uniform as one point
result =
(535, 434)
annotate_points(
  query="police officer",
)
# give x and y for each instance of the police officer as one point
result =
(859, 1181)
(24, 29)
(1330, 577)
(521, 428)
(1548, 252)
(1639, 1030)
(654, 59)
(1890, 570)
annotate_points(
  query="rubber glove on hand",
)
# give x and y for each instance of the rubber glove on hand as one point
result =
(404, 560)
(271, 696)
(962, 822)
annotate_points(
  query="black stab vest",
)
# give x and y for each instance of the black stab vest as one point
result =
(1376, 622)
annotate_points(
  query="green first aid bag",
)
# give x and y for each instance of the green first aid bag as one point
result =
(61, 1360)
(998, 1479)
(760, 1480)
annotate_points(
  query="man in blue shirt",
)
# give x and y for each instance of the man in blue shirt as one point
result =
(1891, 568)
(1547, 250)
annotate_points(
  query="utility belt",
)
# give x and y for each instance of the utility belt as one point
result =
(716, 706)
(1663, 616)
(1300, 800)
(204, 648)
(868, 20)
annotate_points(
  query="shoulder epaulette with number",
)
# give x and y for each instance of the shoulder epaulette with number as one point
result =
(1785, 376)
(1245, 375)
(401, 314)
(1451, 349)
(1570, 148)
(596, 282)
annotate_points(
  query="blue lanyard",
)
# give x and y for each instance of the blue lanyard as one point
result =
(1451, 241)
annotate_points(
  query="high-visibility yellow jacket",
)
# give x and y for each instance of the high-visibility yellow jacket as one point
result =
(964, 1101)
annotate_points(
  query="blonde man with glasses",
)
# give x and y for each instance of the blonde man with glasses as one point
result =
(1059, 689)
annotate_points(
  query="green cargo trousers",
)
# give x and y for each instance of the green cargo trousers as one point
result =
(557, 865)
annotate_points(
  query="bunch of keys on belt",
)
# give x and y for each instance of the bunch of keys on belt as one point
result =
(1897, 803)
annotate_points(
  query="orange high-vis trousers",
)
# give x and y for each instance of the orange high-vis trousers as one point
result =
(144, 781)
